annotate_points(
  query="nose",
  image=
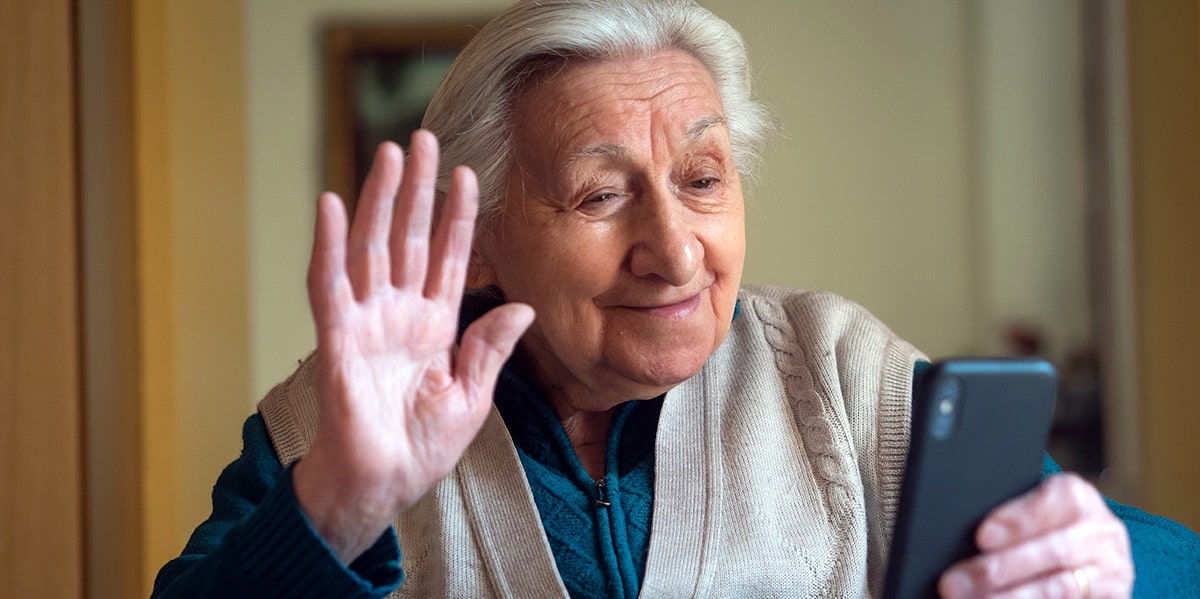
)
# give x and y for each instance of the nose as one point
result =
(667, 247)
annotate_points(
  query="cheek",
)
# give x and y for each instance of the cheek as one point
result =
(559, 272)
(727, 252)
(585, 261)
(725, 246)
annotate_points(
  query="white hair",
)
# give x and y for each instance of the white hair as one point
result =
(471, 112)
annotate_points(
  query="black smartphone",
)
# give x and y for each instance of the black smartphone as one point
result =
(979, 428)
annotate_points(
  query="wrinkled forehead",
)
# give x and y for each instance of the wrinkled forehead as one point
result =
(609, 107)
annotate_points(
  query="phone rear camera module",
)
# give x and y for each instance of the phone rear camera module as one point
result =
(946, 407)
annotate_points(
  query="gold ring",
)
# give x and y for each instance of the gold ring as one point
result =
(1081, 579)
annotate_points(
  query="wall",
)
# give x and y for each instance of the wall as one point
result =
(1029, 158)
(865, 192)
(283, 141)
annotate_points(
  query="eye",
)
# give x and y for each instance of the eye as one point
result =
(705, 183)
(603, 203)
(600, 198)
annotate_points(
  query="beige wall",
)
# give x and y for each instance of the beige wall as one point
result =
(1029, 157)
(283, 133)
(866, 192)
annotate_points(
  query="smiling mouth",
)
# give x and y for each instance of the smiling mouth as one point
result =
(681, 309)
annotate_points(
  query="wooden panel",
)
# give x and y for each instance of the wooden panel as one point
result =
(112, 419)
(41, 529)
(191, 260)
(156, 313)
(1164, 74)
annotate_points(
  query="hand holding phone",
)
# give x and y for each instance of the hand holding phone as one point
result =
(978, 437)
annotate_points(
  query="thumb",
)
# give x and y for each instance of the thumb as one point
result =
(487, 344)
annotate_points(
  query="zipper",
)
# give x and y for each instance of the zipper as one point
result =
(602, 494)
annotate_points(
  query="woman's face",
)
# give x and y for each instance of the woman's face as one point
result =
(622, 227)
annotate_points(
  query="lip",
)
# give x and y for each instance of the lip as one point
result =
(675, 310)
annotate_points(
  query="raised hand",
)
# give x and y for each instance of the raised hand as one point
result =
(1058, 540)
(399, 403)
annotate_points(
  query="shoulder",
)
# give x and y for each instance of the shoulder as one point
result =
(807, 307)
(826, 347)
(822, 322)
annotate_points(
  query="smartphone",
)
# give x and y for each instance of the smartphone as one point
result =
(979, 428)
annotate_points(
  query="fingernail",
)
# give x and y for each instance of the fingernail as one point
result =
(955, 584)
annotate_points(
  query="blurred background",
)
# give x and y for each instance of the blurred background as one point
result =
(988, 177)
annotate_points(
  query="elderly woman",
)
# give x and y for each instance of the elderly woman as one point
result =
(605, 412)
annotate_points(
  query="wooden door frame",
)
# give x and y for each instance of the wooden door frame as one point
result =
(113, 460)
(1164, 108)
(41, 500)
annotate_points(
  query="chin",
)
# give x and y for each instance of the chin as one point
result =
(656, 373)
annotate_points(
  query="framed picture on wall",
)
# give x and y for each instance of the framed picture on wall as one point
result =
(378, 80)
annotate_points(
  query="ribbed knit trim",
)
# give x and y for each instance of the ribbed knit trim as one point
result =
(682, 530)
(290, 412)
(894, 431)
(283, 556)
(509, 533)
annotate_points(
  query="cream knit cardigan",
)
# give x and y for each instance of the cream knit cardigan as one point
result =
(777, 469)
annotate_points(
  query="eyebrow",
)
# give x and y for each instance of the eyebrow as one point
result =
(618, 152)
(704, 124)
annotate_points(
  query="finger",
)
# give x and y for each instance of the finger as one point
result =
(1058, 501)
(452, 243)
(368, 262)
(329, 291)
(1087, 541)
(409, 240)
(486, 345)
(1062, 584)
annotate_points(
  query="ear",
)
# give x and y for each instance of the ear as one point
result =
(480, 273)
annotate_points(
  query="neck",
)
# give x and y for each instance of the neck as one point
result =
(588, 433)
(585, 422)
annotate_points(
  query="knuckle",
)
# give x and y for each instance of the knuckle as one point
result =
(1073, 478)
(1119, 535)
(1063, 484)
(1062, 586)
(1076, 494)
(1081, 490)
(1060, 548)
(989, 573)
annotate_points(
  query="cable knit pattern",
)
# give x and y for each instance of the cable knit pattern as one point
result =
(777, 469)
(814, 415)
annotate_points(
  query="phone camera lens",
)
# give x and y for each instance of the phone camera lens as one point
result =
(945, 416)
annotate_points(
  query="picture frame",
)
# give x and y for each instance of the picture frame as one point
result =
(378, 79)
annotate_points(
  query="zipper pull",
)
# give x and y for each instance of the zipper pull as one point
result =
(602, 494)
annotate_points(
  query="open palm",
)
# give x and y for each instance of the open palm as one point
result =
(399, 403)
